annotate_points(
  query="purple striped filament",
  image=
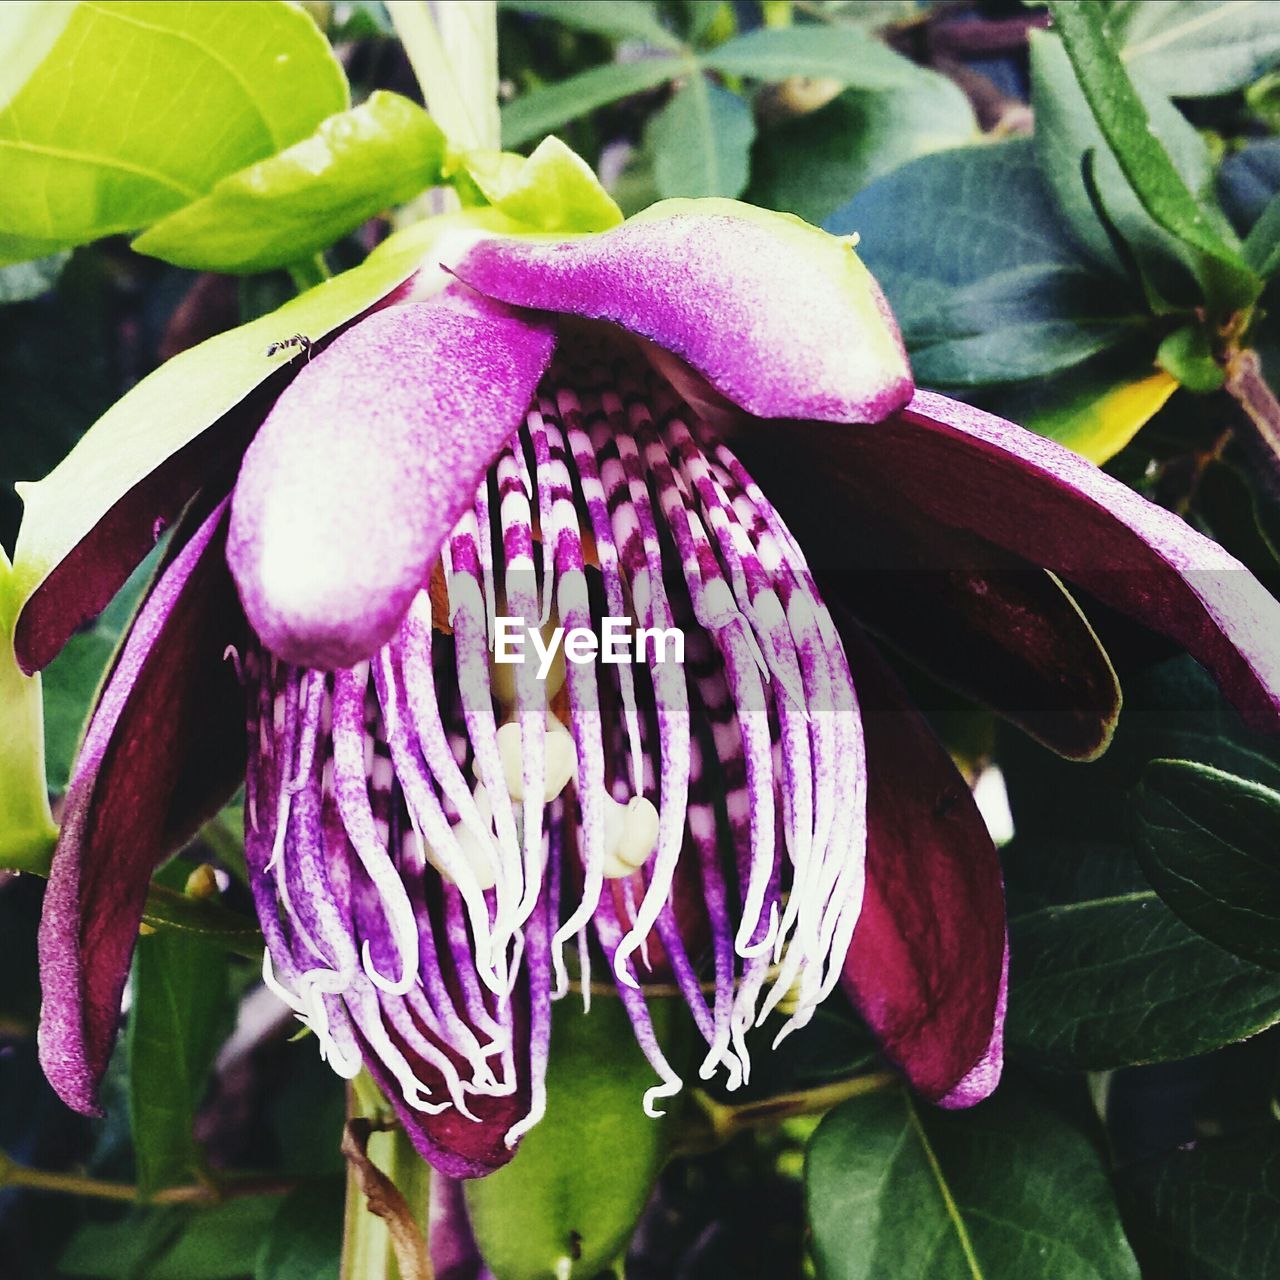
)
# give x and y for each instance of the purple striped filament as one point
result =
(439, 845)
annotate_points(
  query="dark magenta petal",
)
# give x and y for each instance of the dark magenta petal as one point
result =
(83, 582)
(365, 464)
(988, 624)
(1045, 503)
(927, 965)
(164, 749)
(779, 317)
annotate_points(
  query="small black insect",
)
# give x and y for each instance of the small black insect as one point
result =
(299, 342)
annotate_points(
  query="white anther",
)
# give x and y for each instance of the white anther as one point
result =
(630, 836)
(472, 847)
(559, 764)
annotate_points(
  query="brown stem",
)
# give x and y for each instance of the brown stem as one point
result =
(385, 1199)
(1247, 386)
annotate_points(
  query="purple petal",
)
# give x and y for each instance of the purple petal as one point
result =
(779, 317)
(1062, 512)
(987, 623)
(927, 964)
(365, 464)
(164, 750)
(80, 585)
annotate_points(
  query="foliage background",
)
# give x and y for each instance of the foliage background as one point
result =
(1136, 1133)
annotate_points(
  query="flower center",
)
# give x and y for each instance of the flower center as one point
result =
(430, 831)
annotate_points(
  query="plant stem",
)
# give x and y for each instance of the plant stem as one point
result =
(452, 46)
(13, 1174)
(1247, 386)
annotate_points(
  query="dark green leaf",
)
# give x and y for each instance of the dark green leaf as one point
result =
(1195, 48)
(701, 141)
(978, 301)
(220, 1243)
(814, 163)
(819, 51)
(1102, 974)
(299, 201)
(1066, 132)
(619, 19)
(1008, 1191)
(1210, 845)
(25, 280)
(1262, 247)
(304, 1240)
(536, 114)
(1125, 123)
(1212, 1211)
(568, 1202)
(179, 995)
(137, 109)
(1249, 180)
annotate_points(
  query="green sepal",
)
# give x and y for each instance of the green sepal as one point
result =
(552, 190)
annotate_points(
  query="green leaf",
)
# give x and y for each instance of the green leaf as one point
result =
(536, 114)
(208, 923)
(1187, 355)
(1102, 974)
(1124, 121)
(179, 991)
(182, 398)
(568, 1202)
(1210, 845)
(819, 51)
(1095, 408)
(295, 203)
(167, 1243)
(1008, 1191)
(1196, 48)
(619, 19)
(977, 303)
(554, 189)
(304, 1239)
(1262, 247)
(701, 141)
(25, 280)
(814, 163)
(26, 825)
(137, 109)
(1066, 133)
(1211, 1210)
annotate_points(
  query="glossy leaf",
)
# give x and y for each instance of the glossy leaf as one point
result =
(1211, 1210)
(1196, 48)
(179, 992)
(1210, 845)
(1123, 119)
(820, 51)
(619, 19)
(1103, 974)
(1008, 1191)
(976, 305)
(299, 201)
(815, 163)
(701, 141)
(568, 1202)
(536, 114)
(137, 109)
